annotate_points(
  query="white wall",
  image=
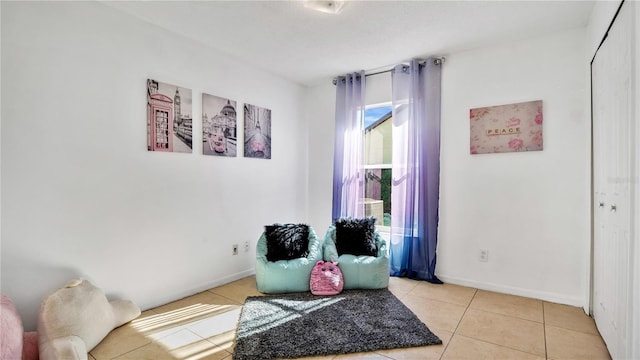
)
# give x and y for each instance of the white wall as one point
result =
(320, 113)
(378, 88)
(530, 210)
(82, 196)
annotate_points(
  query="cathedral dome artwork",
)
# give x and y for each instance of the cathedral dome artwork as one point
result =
(219, 128)
(228, 110)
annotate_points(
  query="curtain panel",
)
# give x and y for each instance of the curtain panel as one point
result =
(415, 169)
(348, 161)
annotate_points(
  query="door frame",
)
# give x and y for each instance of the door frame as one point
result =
(635, 205)
(634, 266)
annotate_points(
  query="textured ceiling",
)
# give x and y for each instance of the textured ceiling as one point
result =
(306, 46)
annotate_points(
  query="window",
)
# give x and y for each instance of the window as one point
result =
(377, 164)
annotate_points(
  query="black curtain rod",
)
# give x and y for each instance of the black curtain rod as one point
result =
(437, 61)
(379, 72)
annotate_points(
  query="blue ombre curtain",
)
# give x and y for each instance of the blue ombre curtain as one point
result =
(415, 169)
(348, 163)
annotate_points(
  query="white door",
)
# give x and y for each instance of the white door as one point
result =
(613, 113)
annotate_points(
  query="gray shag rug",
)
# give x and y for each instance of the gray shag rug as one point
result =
(301, 324)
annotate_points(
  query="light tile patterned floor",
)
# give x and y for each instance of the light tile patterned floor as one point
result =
(473, 324)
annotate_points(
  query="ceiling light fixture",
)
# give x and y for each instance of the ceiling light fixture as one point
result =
(325, 6)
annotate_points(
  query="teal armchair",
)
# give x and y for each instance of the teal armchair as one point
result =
(359, 272)
(284, 276)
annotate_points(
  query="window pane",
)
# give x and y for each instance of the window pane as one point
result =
(377, 137)
(377, 161)
(377, 202)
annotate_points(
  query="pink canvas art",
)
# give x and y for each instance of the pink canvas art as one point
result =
(506, 128)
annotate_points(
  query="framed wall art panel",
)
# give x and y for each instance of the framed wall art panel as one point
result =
(257, 132)
(506, 128)
(219, 126)
(169, 120)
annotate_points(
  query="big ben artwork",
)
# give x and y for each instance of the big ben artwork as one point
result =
(169, 119)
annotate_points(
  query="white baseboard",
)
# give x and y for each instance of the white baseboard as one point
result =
(170, 297)
(540, 295)
(227, 279)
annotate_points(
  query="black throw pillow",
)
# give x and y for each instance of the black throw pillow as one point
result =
(356, 236)
(286, 242)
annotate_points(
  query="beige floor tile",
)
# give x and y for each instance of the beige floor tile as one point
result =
(454, 294)
(90, 357)
(219, 330)
(570, 344)
(192, 350)
(201, 350)
(511, 305)
(431, 352)
(238, 290)
(464, 348)
(225, 341)
(203, 298)
(221, 323)
(148, 352)
(569, 317)
(401, 286)
(361, 356)
(187, 311)
(519, 334)
(434, 313)
(191, 314)
(249, 281)
(123, 339)
(487, 325)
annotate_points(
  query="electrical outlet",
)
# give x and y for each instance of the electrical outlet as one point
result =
(483, 255)
(235, 249)
(246, 246)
